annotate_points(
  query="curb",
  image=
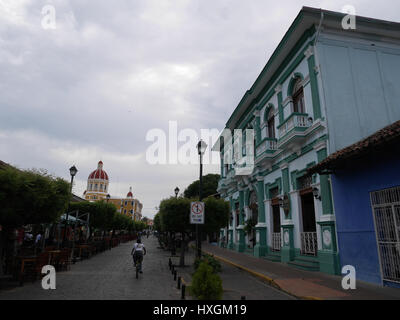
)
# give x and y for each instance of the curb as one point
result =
(263, 277)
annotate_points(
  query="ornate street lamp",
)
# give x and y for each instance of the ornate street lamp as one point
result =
(176, 192)
(72, 171)
(201, 149)
(108, 197)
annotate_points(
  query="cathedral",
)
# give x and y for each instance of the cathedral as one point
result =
(97, 190)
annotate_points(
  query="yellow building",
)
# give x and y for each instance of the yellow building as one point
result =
(128, 206)
(97, 189)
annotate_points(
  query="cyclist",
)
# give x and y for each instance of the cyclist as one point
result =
(138, 252)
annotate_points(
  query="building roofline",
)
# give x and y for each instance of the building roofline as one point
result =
(307, 18)
(381, 139)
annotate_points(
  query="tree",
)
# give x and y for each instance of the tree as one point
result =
(102, 214)
(31, 197)
(174, 217)
(216, 215)
(209, 187)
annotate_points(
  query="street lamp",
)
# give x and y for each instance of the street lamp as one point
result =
(72, 171)
(176, 192)
(201, 149)
(108, 197)
(316, 193)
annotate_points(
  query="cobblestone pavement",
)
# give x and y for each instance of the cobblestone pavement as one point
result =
(109, 275)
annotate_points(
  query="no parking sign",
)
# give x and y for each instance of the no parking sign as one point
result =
(197, 212)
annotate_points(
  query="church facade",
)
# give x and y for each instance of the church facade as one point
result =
(97, 190)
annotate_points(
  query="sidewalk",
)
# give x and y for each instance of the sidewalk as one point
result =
(236, 283)
(302, 284)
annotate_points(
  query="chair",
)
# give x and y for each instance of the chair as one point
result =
(64, 260)
(41, 261)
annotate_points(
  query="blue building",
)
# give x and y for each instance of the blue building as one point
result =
(366, 192)
(323, 88)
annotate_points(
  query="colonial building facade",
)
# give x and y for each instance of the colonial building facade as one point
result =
(128, 206)
(323, 89)
(97, 190)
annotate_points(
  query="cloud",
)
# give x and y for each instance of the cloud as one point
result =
(111, 71)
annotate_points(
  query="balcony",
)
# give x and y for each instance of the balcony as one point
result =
(266, 150)
(292, 130)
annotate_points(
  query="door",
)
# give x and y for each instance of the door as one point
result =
(253, 205)
(309, 244)
(386, 211)
(276, 226)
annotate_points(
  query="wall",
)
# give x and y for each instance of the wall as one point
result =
(354, 217)
(360, 84)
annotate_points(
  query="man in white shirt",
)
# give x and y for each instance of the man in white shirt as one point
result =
(138, 252)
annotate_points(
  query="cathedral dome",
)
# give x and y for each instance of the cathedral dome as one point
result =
(99, 173)
(130, 194)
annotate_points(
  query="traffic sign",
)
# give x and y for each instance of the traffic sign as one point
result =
(197, 212)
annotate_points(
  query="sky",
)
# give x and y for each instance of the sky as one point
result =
(94, 83)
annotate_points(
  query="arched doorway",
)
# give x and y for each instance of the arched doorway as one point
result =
(253, 206)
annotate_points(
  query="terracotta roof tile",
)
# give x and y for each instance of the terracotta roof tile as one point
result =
(384, 136)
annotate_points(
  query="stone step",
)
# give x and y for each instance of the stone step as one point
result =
(275, 257)
(303, 265)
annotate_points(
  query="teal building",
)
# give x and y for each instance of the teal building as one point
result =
(324, 88)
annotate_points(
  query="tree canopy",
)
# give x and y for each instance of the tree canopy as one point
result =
(209, 187)
(31, 197)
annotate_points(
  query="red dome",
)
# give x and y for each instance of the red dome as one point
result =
(130, 194)
(99, 173)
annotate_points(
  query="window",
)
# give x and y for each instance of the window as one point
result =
(95, 187)
(91, 187)
(298, 97)
(271, 123)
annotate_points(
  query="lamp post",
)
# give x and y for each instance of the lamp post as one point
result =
(72, 171)
(176, 192)
(108, 197)
(201, 148)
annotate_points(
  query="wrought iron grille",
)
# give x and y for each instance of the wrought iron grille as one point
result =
(309, 243)
(276, 241)
(386, 210)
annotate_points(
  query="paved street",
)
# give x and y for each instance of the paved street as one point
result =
(108, 275)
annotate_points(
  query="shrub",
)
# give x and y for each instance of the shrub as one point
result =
(214, 263)
(206, 284)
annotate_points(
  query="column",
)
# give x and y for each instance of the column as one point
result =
(287, 251)
(241, 247)
(278, 90)
(257, 128)
(230, 232)
(328, 256)
(261, 228)
(312, 70)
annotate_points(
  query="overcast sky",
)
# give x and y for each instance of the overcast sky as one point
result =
(92, 88)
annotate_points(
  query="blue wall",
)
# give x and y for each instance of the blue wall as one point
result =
(354, 217)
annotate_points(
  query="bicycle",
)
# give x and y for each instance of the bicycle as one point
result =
(138, 266)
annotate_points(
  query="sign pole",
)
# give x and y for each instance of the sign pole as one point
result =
(198, 231)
